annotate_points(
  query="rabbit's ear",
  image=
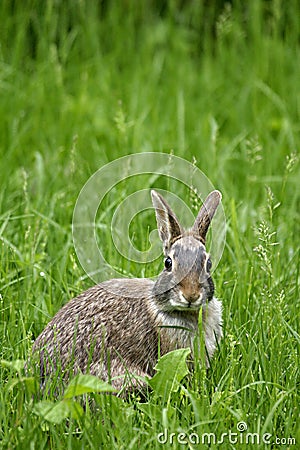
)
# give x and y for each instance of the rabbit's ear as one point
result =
(206, 213)
(167, 223)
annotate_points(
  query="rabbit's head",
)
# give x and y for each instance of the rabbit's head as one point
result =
(185, 283)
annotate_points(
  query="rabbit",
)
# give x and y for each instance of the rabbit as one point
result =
(122, 326)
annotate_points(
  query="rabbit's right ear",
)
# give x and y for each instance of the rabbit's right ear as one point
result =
(167, 223)
(206, 214)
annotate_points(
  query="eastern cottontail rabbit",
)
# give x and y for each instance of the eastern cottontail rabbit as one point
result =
(122, 325)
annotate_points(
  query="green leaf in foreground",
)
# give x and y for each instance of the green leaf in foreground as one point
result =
(83, 384)
(171, 369)
(58, 412)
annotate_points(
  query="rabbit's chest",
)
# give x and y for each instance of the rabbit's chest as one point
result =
(177, 332)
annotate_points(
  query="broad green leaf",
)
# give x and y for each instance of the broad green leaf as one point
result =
(59, 411)
(82, 384)
(171, 369)
(52, 412)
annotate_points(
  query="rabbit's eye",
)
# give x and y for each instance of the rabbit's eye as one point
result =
(208, 265)
(168, 263)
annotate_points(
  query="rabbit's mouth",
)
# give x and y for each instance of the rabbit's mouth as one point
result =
(190, 307)
(187, 304)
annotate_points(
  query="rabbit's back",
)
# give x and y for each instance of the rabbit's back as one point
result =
(106, 330)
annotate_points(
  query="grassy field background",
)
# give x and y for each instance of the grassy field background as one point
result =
(82, 84)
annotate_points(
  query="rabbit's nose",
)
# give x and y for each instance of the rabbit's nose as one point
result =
(190, 293)
(191, 297)
(190, 289)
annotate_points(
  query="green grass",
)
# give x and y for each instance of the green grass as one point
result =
(83, 85)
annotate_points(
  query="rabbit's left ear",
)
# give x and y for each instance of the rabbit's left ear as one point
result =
(206, 214)
(168, 226)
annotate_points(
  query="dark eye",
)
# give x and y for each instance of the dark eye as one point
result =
(208, 265)
(168, 263)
